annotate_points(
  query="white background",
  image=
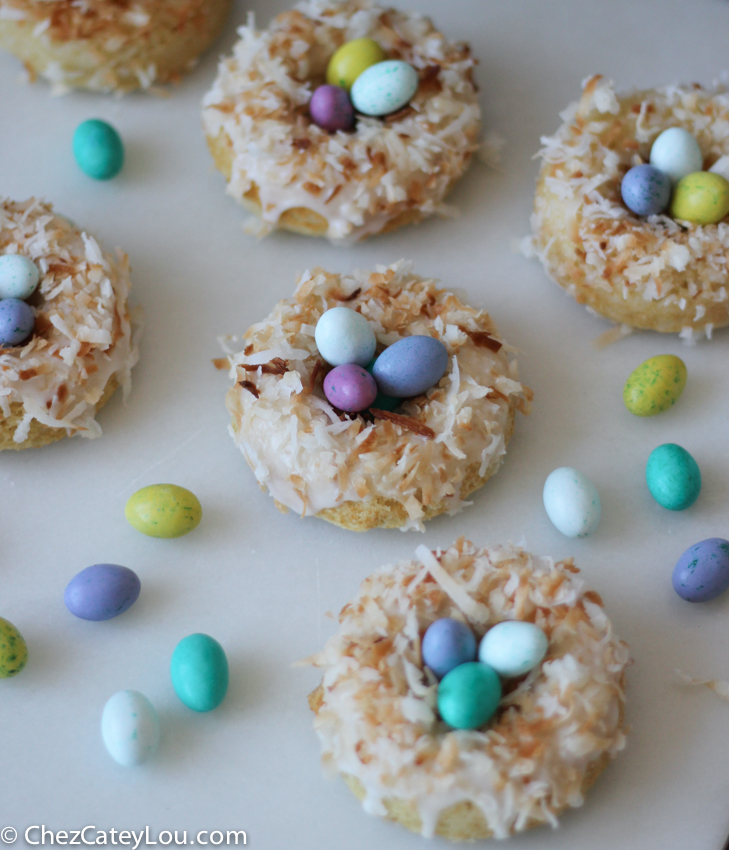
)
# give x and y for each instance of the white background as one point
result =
(262, 583)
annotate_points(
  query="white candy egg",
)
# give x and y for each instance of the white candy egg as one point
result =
(572, 502)
(676, 153)
(345, 336)
(130, 728)
(384, 88)
(19, 276)
(513, 647)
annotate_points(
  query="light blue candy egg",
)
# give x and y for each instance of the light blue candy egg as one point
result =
(410, 366)
(646, 190)
(572, 502)
(384, 88)
(513, 647)
(345, 336)
(19, 276)
(130, 728)
(16, 321)
(676, 153)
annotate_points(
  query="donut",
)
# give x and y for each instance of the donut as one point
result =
(109, 46)
(552, 735)
(653, 273)
(390, 469)
(81, 348)
(345, 186)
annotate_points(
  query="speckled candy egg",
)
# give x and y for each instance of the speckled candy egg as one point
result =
(655, 385)
(410, 366)
(98, 149)
(102, 591)
(646, 190)
(199, 671)
(673, 477)
(16, 322)
(446, 644)
(13, 650)
(469, 695)
(351, 59)
(130, 728)
(702, 572)
(350, 388)
(345, 336)
(513, 647)
(331, 109)
(701, 198)
(163, 510)
(676, 153)
(572, 502)
(384, 88)
(19, 276)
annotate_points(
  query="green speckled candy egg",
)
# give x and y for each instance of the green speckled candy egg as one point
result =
(673, 477)
(163, 510)
(13, 651)
(701, 198)
(655, 385)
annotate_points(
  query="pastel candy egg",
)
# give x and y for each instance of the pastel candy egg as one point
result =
(673, 477)
(199, 670)
(702, 572)
(513, 647)
(572, 503)
(351, 60)
(331, 109)
(384, 88)
(13, 650)
(655, 385)
(98, 149)
(701, 198)
(163, 510)
(19, 276)
(102, 591)
(16, 321)
(676, 153)
(446, 644)
(410, 366)
(646, 190)
(469, 695)
(350, 388)
(345, 336)
(130, 728)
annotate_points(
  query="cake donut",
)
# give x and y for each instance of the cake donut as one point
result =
(109, 46)
(384, 173)
(651, 272)
(554, 730)
(378, 467)
(80, 348)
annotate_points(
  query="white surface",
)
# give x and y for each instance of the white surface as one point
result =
(261, 583)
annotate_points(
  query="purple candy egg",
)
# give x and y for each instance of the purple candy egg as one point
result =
(702, 572)
(350, 388)
(446, 644)
(102, 592)
(331, 109)
(16, 321)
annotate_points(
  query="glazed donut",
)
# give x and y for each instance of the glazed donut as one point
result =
(52, 385)
(552, 735)
(360, 472)
(653, 273)
(345, 186)
(105, 46)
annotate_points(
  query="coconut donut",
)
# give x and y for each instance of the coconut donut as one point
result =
(653, 273)
(105, 46)
(361, 471)
(346, 185)
(553, 733)
(81, 349)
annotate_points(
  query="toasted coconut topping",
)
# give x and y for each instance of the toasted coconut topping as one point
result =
(83, 334)
(378, 720)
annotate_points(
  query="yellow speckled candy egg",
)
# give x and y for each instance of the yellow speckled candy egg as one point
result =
(163, 510)
(701, 198)
(13, 651)
(655, 385)
(351, 59)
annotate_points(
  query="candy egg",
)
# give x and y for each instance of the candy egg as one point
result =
(98, 149)
(701, 198)
(410, 366)
(16, 321)
(199, 670)
(102, 591)
(345, 336)
(446, 644)
(383, 401)
(19, 276)
(702, 572)
(469, 695)
(655, 385)
(676, 153)
(13, 650)
(385, 88)
(351, 60)
(350, 388)
(331, 109)
(130, 728)
(572, 503)
(673, 477)
(513, 647)
(163, 510)
(646, 190)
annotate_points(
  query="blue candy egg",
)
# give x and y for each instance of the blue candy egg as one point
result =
(446, 644)
(410, 366)
(646, 190)
(513, 647)
(98, 149)
(384, 88)
(19, 276)
(702, 572)
(345, 336)
(16, 321)
(102, 591)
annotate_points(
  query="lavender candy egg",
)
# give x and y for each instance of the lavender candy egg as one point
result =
(102, 592)
(350, 388)
(702, 572)
(16, 321)
(446, 644)
(410, 366)
(331, 109)
(646, 190)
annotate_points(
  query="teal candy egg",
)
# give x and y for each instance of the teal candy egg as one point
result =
(513, 647)
(19, 276)
(199, 670)
(469, 695)
(384, 88)
(673, 477)
(98, 149)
